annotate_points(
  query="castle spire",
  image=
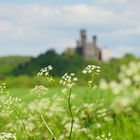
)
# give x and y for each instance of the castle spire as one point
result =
(83, 37)
(95, 41)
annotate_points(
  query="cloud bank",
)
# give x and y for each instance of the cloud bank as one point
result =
(31, 28)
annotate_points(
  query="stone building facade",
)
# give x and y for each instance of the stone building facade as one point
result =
(88, 49)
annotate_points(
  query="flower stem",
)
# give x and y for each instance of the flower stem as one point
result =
(91, 87)
(71, 115)
(47, 126)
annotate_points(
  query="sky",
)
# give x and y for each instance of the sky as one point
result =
(30, 27)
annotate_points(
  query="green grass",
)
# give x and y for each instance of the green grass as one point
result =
(82, 94)
(123, 127)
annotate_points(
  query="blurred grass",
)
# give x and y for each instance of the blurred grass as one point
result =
(82, 94)
(123, 126)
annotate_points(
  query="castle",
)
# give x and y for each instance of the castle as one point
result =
(90, 49)
(87, 49)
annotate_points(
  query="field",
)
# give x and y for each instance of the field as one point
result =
(122, 126)
(107, 111)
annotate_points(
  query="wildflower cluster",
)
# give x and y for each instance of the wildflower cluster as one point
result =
(91, 69)
(103, 137)
(68, 80)
(6, 136)
(8, 104)
(47, 109)
(129, 75)
(40, 90)
(2, 87)
(7, 101)
(46, 73)
(87, 115)
(128, 79)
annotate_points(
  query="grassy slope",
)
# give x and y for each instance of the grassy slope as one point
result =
(8, 63)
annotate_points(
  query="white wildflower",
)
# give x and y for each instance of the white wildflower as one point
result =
(46, 73)
(104, 137)
(68, 80)
(6, 136)
(41, 91)
(2, 88)
(91, 69)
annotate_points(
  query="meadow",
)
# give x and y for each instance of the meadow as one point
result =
(107, 111)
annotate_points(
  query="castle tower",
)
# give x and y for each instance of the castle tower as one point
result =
(83, 38)
(95, 41)
(96, 51)
(88, 49)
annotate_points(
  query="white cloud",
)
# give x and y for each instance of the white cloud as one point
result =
(109, 2)
(127, 32)
(32, 18)
(40, 23)
(119, 51)
(31, 22)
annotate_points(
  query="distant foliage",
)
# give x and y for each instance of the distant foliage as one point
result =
(62, 63)
(9, 63)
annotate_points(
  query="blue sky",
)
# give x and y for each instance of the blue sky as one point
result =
(30, 27)
(53, 2)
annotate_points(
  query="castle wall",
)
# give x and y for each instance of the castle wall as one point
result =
(106, 54)
(90, 50)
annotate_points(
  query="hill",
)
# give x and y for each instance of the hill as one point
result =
(9, 63)
(70, 63)
(62, 63)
